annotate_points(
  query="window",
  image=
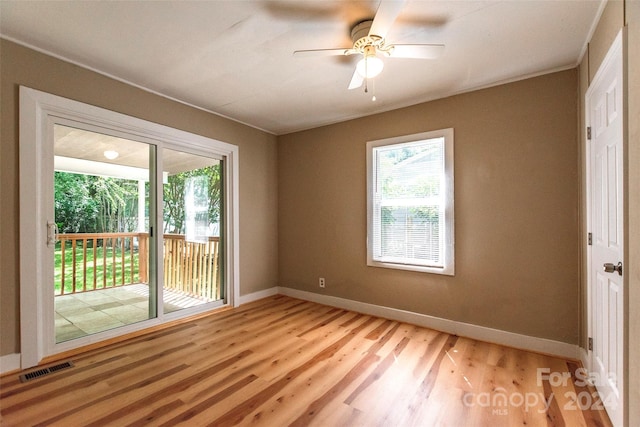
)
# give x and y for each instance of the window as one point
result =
(410, 222)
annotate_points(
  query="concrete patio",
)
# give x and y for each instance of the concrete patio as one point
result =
(81, 314)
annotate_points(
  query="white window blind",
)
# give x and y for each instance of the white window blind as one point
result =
(411, 202)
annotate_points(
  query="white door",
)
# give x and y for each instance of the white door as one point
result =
(605, 179)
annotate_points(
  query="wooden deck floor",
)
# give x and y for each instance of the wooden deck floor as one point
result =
(281, 361)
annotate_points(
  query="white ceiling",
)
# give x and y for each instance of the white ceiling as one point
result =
(235, 58)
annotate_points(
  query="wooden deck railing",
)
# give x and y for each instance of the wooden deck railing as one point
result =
(93, 261)
(192, 267)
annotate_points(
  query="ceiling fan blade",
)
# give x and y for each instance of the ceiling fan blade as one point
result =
(356, 81)
(322, 52)
(301, 10)
(419, 51)
(388, 11)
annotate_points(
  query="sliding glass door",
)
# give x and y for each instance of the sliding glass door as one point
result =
(193, 228)
(124, 224)
(102, 261)
(102, 252)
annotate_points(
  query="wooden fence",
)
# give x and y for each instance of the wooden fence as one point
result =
(93, 261)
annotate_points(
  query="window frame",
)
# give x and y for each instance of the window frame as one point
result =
(448, 249)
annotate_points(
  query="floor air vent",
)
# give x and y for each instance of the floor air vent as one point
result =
(44, 371)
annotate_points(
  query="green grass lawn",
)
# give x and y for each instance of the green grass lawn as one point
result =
(101, 269)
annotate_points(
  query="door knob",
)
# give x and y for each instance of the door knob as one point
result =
(610, 268)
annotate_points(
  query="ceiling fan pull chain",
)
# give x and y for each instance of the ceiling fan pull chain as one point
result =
(366, 73)
(373, 98)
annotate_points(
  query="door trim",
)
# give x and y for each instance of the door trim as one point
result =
(37, 109)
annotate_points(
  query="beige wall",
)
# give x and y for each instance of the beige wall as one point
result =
(258, 162)
(615, 16)
(610, 23)
(516, 207)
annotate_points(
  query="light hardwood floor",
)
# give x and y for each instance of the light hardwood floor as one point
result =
(282, 361)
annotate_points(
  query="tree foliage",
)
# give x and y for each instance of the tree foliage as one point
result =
(94, 204)
(204, 185)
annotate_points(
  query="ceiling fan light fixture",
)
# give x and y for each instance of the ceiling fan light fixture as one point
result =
(370, 66)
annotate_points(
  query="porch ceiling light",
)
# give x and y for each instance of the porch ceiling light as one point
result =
(111, 155)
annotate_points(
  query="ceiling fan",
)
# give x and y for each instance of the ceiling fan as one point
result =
(369, 40)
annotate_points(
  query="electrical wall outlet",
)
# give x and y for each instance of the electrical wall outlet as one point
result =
(321, 282)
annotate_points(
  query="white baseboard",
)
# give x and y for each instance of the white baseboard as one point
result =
(9, 362)
(482, 333)
(584, 358)
(244, 299)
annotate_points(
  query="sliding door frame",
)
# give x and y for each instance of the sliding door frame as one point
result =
(38, 112)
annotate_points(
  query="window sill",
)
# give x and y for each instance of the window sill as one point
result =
(446, 270)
